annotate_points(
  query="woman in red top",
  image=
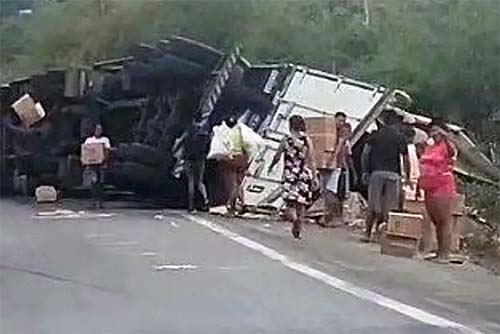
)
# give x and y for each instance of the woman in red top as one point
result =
(438, 182)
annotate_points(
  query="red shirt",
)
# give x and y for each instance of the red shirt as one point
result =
(436, 171)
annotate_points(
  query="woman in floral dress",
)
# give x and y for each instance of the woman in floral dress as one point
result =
(298, 171)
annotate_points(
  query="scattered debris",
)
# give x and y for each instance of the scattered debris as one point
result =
(174, 267)
(149, 254)
(54, 213)
(68, 214)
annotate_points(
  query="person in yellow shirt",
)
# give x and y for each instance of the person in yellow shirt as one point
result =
(235, 166)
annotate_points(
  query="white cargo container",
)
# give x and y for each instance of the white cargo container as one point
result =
(309, 93)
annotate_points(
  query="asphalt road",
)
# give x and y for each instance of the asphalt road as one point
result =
(131, 273)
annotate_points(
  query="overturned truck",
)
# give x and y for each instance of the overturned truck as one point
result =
(149, 100)
(146, 103)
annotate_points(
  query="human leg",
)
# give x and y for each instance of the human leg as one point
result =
(391, 196)
(290, 212)
(191, 182)
(229, 183)
(375, 189)
(231, 204)
(240, 176)
(199, 175)
(439, 212)
(97, 188)
(299, 220)
(444, 215)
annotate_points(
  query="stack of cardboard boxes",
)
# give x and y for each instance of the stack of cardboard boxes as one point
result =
(458, 211)
(427, 234)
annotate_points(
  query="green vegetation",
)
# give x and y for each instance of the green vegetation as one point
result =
(445, 53)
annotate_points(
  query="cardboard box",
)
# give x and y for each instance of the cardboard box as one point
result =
(324, 150)
(397, 245)
(321, 125)
(92, 154)
(415, 207)
(45, 194)
(405, 224)
(458, 208)
(28, 111)
(323, 142)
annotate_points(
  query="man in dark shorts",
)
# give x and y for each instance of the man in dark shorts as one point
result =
(196, 149)
(386, 147)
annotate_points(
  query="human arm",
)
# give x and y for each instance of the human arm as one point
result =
(310, 156)
(107, 143)
(365, 163)
(407, 167)
(403, 150)
(277, 156)
(452, 152)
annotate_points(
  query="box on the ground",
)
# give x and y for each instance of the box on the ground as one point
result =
(92, 154)
(413, 206)
(458, 208)
(28, 111)
(405, 224)
(398, 245)
(321, 125)
(45, 194)
(455, 233)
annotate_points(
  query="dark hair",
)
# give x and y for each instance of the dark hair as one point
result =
(340, 114)
(231, 121)
(393, 118)
(409, 133)
(297, 123)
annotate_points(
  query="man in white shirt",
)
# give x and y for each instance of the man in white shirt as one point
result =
(96, 172)
(99, 138)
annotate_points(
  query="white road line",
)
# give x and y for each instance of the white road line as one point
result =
(365, 294)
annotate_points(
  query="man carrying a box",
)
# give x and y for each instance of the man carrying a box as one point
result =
(343, 173)
(96, 168)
